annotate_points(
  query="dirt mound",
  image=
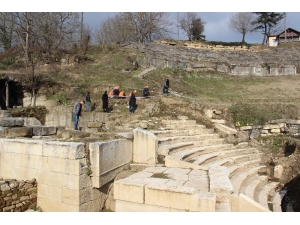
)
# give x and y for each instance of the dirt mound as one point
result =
(38, 112)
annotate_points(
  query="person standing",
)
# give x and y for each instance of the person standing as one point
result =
(88, 102)
(105, 102)
(77, 112)
(166, 86)
(132, 103)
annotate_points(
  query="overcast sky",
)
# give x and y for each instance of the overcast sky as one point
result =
(215, 13)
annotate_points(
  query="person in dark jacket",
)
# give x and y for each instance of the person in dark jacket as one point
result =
(166, 86)
(105, 102)
(146, 92)
(77, 112)
(88, 102)
(132, 103)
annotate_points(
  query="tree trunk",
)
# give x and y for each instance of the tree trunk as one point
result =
(243, 38)
(7, 95)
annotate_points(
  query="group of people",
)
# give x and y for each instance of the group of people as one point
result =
(116, 92)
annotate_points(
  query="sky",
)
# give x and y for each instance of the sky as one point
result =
(215, 28)
(215, 13)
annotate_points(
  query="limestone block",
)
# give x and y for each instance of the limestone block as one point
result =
(145, 145)
(218, 121)
(54, 193)
(3, 131)
(31, 121)
(289, 122)
(225, 129)
(129, 190)
(87, 207)
(278, 170)
(75, 197)
(220, 183)
(44, 130)
(271, 126)
(94, 124)
(21, 173)
(59, 180)
(109, 157)
(245, 128)
(190, 200)
(15, 132)
(4, 113)
(126, 206)
(22, 146)
(242, 203)
(199, 183)
(61, 165)
(49, 205)
(107, 177)
(11, 122)
(265, 131)
(66, 150)
(21, 160)
(5, 157)
(275, 130)
(155, 169)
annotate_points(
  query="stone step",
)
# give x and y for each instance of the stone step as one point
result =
(190, 155)
(252, 184)
(276, 202)
(234, 169)
(183, 127)
(182, 138)
(179, 122)
(182, 132)
(204, 158)
(225, 160)
(241, 177)
(213, 141)
(262, 195)
(171, 148)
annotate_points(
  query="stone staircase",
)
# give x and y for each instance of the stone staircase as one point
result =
(185, 144)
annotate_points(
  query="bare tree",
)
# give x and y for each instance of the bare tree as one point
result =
(6, 29)
(85, 38)
(242, 22)
(192, 25)
(41, 34)
(134, 26)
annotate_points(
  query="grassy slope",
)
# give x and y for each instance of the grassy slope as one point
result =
(203, 87)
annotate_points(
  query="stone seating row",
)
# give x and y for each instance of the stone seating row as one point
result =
(242, 162)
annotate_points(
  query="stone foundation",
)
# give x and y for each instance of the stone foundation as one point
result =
(17, 196)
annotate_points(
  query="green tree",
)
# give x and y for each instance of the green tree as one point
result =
(192, 25)
(267, 22)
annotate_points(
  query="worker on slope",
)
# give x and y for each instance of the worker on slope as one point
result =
(146, 92)
(116, 91)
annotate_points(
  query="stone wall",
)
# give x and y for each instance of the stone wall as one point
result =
(270, 62)
(60, 169)
(62, 116)
(281, 126)
(17, 196)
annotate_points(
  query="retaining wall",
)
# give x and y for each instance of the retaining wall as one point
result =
(60, 168)
(17, 196)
